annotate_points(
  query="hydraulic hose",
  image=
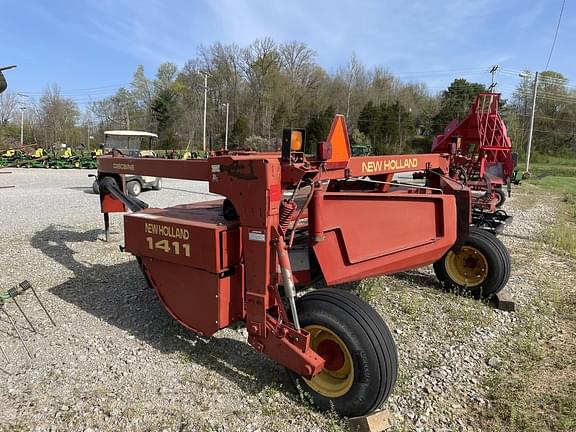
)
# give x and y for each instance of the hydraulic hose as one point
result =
(110, 185)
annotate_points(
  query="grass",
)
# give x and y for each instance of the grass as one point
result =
(536, 388)
(562, 234)
(545, 165)
(535, 392)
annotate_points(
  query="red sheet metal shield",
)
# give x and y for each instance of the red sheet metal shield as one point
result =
(373, 234)
(192, 258)
(201, 301)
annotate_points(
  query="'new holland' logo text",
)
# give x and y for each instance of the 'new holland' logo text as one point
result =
(389, 165)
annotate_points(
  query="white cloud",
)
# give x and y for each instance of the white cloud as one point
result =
(420, 35)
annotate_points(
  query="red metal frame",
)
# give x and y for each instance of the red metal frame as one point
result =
(479, 145)
(357, 224)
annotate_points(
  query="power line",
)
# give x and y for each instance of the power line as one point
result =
(543, 81)
(555, 34)
(541, 77)
(80, 91)
(541, 117)
(570, 134)
(514, 73)
(439, 72)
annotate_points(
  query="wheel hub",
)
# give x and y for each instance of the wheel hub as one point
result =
(333, 355)
(337, 377)
(468, 267)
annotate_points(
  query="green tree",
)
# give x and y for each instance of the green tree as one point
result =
(165, 111)
(555, 115)
(57, 116)
(368, 123)
(455, 102)
(240, 132)
(318, 128)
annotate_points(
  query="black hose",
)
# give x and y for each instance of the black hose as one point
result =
(109, 184)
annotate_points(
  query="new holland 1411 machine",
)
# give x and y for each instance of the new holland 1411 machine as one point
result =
(287, 220)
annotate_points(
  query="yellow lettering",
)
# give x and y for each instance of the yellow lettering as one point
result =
(174, 247)
(388, 165)
(166, 231)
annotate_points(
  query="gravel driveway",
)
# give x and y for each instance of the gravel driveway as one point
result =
(117, 361)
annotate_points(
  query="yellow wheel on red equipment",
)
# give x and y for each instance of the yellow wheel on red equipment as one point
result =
(360, 356)
(481, 266)
(468, 267)
(338, 375)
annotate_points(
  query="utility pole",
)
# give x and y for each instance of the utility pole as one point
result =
(127, 118)
(227, 105)
(493, 73)
(88, 136)
(205, 106)
(22, 108)
(399, 128)
(531, 121)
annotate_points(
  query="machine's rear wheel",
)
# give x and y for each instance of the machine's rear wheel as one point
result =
(360, 353)
(500, 195)
(481, 266)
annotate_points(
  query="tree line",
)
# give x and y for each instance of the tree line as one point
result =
(268, 86)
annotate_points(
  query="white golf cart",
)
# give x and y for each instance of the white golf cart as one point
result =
(133, 144)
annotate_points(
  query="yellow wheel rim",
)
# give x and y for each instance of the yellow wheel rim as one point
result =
(337, 377)
(468, 267)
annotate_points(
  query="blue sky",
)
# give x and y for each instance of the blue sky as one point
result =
(92, 47)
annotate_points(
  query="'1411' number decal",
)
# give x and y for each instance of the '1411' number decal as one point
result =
(167, 246)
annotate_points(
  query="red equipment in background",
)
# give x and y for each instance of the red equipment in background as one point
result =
(481, 151)
(288, 220)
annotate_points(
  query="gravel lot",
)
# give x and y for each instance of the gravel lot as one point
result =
(117, 361)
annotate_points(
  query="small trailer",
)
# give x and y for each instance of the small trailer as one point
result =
(287, 220)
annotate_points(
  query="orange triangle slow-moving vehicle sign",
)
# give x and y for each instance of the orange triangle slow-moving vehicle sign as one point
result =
(338, 140)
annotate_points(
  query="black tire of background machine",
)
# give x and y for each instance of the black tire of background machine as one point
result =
(501, 195)
(499, 265)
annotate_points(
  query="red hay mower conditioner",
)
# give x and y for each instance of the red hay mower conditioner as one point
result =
(482, 156)
(288, 220)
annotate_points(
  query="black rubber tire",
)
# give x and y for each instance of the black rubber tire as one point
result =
(501, 197)
(498, 260)
(96, 187)
(134, 187)
(157, 184)
(369, 342)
